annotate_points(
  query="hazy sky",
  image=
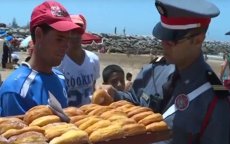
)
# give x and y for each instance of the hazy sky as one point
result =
(136, 16)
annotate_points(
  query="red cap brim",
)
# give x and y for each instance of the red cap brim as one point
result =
(64, 26)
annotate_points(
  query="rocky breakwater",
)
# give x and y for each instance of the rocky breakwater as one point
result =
(134, 44)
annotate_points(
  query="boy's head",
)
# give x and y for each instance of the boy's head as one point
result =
(129, 76)
(114, 75)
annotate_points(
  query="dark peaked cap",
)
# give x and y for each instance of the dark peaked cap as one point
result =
(178, 16)
(188, 8)
(227, 33)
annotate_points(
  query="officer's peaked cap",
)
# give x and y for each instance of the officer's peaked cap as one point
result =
(178, 16)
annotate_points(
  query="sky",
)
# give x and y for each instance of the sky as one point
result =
(137, 17)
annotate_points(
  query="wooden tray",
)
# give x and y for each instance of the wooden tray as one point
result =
(142, 139)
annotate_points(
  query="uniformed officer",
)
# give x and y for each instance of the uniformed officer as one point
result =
(185, 90)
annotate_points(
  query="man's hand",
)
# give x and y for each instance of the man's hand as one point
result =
(109, 89)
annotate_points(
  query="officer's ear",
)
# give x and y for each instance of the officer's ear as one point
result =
(199, 39)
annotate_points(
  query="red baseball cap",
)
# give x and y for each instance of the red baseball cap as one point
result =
(80, 21)
(53, 14)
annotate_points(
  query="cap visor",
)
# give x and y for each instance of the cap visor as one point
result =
(64, 26)
(163, 33)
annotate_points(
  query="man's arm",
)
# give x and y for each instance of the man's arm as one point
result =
(14, 104)
(141, 81)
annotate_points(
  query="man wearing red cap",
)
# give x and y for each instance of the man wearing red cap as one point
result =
(30, 84)
(80, 67)
(182, 86)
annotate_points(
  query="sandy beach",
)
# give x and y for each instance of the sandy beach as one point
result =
(131, 63)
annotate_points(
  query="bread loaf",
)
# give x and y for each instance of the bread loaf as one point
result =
(107, 133)
(36, 112)
(57, 130)
(28, 138)
(13, 132)
(8, 124)
(157, 126)
(42, 121)
(134, 129)
(156, 117)
(71, 137)
(73, 111)
(98, 125)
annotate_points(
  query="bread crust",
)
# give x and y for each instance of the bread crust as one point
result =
(73, 111)
(156, 117)
(58, 130)
(119, 103)
(36, 112)
(134, 129)
(107, 133)
(71, 137)
(98, 125)
(13, 132)
(11, 124)
(157, 126)
(44, 120)
(138, 110)
(28, 137)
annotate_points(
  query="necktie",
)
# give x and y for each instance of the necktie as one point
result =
(168, 89)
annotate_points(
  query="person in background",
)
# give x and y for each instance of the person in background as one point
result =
(15, 60)
(29, 51)
(129, 82)
(6, 51)
(80, 67)
(182, 86)
(30, 84)
(115, 76)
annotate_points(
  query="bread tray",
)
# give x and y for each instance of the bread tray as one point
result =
(147, 138)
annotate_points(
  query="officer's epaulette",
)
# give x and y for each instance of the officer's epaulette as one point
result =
(158, 60)
(217, 85)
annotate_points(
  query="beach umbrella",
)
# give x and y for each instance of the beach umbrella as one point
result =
(89, 38)
(227, 33)
(25, 43)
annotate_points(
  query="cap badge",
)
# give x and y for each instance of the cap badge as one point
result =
(182, 102)
(58, 12)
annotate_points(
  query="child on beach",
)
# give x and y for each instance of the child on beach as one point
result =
(115, 76)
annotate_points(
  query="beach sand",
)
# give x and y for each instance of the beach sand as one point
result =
(132, 63)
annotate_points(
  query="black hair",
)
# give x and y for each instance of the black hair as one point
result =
(45, 28)
(128, 75)
(109, 70)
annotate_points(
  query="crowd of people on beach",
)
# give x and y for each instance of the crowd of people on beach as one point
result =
(180, 85)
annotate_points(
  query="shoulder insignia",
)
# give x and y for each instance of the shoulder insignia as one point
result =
(160, 60)
(217, 85)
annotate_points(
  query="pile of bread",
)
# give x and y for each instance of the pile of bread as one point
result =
(89, 124)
